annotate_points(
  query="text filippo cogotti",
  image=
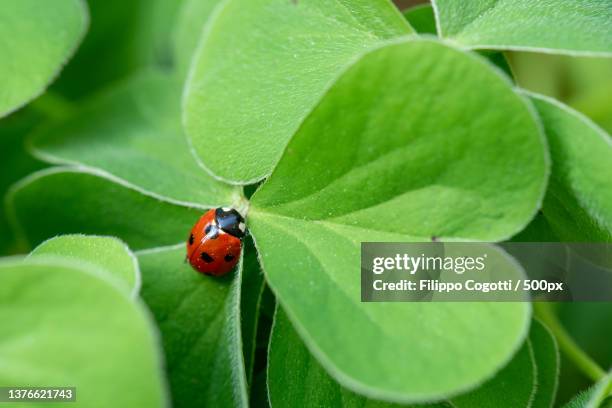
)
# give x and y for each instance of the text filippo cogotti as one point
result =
(412, 264)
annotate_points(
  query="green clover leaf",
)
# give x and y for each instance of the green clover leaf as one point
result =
(594, 396)
(200, 323)
(36, 41)
(87, 207)
(107, 253)
(262, 66)
(578, 204)
(126, 119)
(193, 17)
(297, 379)
(123, 38)
(87, 333)
(382, 177)
(552, 26)
(389, 163)
(546, 359)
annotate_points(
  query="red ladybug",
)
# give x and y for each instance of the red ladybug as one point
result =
(215, 241)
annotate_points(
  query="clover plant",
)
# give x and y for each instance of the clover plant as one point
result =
(328, 123)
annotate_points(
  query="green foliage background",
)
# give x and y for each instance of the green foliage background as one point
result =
(121, 122)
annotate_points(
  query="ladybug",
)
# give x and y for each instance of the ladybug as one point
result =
(215, 241)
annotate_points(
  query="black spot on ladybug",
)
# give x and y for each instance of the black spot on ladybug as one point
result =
(191, 239)
(206, 258)
(211, 231)
(229, 258)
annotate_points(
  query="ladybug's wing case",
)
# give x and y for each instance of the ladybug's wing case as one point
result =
(197, 233)
(217, 256)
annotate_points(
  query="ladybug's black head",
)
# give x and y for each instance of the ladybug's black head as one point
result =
(230, 221)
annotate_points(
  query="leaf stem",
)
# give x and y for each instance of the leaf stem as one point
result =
(546, 313)
(241, 204)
